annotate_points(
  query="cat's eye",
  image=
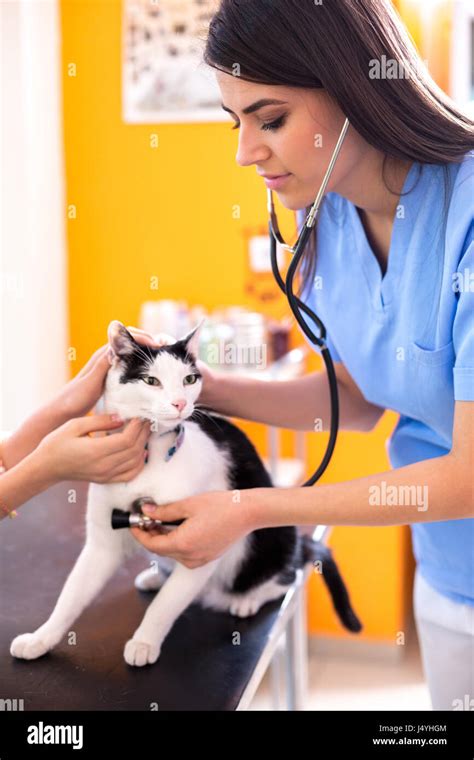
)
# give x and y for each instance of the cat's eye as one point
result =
(190, 379)
(150, 380)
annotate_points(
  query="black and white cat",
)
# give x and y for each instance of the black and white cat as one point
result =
(209, 454)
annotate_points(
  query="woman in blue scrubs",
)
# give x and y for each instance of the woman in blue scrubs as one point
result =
(390, 271)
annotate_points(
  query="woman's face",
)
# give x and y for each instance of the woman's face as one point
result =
(295, 137)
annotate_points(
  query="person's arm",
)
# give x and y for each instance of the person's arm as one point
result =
(21, 483)
(291, 404)
(434, 489)
(53, 444)
(428, 491)
(26, 438)
(74, 400)
(69, 453)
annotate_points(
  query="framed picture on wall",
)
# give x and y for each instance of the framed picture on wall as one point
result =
(163, 76)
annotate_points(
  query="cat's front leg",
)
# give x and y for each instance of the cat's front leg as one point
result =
(94, 566)
(181, 588)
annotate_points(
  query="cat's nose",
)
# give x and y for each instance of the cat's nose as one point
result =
(179, 404)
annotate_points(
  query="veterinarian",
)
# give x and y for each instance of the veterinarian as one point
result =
(389, 272)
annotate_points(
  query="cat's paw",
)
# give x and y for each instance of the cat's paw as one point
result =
(140, 653)
(29, 646)
(150, 579)
(245, 606)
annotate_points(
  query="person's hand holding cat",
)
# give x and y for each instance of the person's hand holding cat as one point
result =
(213, 521)
(70, 453)
(61, 428)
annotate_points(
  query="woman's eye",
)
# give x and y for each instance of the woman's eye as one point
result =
(149, 380)
(271, 125)
(190, 379)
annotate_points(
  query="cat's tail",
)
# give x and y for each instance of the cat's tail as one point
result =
(317, 552)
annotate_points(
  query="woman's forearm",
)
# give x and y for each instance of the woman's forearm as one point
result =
(428, 491)
(299, 404)
(24, 481)
(31, 432)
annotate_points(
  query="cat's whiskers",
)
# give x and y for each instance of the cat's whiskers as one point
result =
(198, 408)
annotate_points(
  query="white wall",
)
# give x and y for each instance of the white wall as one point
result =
(33, 327)
(461, 55)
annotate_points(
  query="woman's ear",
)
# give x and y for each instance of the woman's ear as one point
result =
(121, 342)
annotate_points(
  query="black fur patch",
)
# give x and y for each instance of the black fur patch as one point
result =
(272, 552)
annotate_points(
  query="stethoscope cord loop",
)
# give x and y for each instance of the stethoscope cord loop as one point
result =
(294, 303)
(297, 306)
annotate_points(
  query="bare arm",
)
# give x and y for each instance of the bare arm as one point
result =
(70, 453)
(25, 480)
(292, 404)
(426, 491)
(76, 399)
(30, 433)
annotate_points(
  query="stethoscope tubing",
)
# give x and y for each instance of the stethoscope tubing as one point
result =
(297, 306)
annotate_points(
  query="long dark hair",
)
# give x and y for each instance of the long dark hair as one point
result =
(333, 45)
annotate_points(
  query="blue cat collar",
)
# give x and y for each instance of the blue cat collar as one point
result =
(179, 430)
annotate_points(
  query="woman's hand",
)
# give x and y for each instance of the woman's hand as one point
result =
(213, 521)
(69, 453)
(81, 393)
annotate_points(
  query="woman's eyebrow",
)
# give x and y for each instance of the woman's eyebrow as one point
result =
(257, 105)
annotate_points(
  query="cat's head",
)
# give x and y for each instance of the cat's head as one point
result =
(160, 384)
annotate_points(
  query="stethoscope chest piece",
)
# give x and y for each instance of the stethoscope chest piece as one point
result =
(121, 518)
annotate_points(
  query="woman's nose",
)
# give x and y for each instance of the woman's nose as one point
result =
(250, 150)
(179, 404)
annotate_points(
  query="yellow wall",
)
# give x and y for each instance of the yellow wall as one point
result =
(430, 25)
(168, 212)
(143, 211)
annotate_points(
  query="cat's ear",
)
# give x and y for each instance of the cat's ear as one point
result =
(191, 340)
(121, 342)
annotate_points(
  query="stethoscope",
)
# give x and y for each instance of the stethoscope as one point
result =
(123, 519)
(297, 306)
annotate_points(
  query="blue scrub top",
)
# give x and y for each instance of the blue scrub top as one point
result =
(407, 337)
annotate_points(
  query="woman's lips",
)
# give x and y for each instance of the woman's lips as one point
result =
(276, 182)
